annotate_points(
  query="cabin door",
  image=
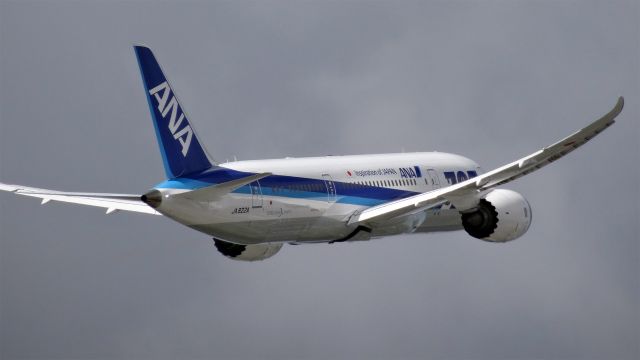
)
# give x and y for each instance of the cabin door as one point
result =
(434, 181)
(331, 188)
(256, 195)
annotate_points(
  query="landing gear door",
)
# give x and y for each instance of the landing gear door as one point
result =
(331, 188)
(434, 181)
(256, 195)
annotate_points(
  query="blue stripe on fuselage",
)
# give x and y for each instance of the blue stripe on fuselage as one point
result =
(291, 187)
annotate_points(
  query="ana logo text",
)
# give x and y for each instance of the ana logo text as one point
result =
(167, 102)
(413, 172)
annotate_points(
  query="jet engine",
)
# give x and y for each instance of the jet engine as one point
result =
(247, 252)
(501, 216)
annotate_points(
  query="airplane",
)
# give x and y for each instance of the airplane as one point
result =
(251, 208)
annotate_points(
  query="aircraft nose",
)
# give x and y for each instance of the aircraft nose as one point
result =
(153, 198)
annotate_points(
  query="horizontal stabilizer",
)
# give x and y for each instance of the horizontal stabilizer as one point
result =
(214, 192)
(110, 202)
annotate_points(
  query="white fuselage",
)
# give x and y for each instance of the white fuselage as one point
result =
(312, 199)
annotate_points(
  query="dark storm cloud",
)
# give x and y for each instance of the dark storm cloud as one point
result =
(491, 80)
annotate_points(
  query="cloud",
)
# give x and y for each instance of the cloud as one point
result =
(492, 81)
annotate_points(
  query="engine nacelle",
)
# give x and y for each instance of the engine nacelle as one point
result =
(501, 216)
(247, 252)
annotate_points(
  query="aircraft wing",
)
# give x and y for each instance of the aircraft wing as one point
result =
(465, 195)
(111, 202)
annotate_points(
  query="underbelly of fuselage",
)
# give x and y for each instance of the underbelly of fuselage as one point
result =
(318, 228)
(247, 220)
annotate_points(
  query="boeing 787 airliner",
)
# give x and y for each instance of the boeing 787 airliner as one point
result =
(251, 208)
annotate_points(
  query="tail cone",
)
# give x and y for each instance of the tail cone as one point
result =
(153, 198)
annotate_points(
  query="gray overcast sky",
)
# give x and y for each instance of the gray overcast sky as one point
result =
(492, 80)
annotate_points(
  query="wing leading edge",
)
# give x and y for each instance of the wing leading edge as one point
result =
(465, 195)
(111, 202)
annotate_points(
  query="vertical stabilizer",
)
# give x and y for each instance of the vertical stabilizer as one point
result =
(181, 150)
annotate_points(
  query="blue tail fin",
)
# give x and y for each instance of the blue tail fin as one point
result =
(181, 151)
